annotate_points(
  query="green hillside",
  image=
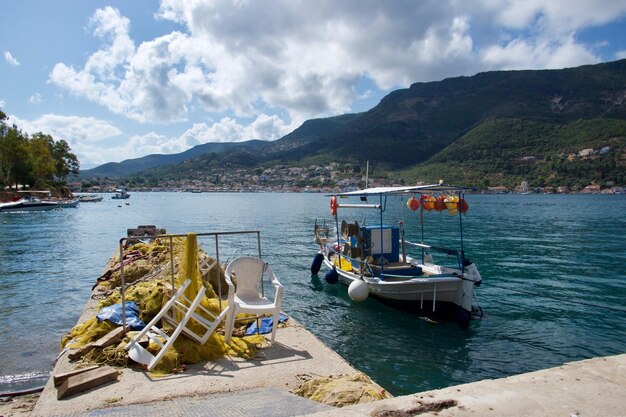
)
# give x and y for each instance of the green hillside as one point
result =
(472, 129)
(508, 151)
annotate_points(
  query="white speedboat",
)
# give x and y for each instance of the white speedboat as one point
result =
(376, 258)
(90, 198)
(28, 204)
(120, 194)
(69, 203)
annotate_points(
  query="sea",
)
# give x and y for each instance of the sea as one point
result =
(553, 289)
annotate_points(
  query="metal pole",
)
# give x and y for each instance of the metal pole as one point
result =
(422, 224)
(122, 288)
(172, 264)
(462, 267)
(258, 241)
(219, 277)
(382, 249)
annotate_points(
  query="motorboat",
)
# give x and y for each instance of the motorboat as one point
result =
(90, 198)
(69, 203)
(120, 194)
(377, 258)
(28, 203)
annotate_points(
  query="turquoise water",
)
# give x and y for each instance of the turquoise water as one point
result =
(553, 291)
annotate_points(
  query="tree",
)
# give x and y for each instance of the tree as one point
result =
(43, 163)
(3, 132)
(66, 161)
(16, 162)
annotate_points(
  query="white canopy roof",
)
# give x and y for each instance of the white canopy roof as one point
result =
(402, 190)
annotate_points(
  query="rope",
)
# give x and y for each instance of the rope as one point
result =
(586, 303)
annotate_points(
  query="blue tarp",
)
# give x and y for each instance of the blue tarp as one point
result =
(266, 324)
(113, 313)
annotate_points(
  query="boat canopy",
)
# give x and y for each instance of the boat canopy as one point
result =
(402, 190)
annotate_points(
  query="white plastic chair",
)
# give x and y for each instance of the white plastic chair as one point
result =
(140, 354)
(248, 298)
(189, 310)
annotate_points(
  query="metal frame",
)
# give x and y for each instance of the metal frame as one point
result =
(124, 241)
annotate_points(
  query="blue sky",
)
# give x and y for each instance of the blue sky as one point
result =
(124, 79)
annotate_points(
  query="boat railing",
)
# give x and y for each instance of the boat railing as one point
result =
(439, 249)
(170, 239)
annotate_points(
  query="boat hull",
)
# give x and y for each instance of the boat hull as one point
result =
(424, 292)
(22, 206)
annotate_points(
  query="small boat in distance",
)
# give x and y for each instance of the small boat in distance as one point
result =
(90, 198)
(121, 194)
(68, 203)
(376, 258)
(28, 203)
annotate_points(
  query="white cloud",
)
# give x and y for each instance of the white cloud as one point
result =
(229, 130)
(35, 99)
(9, 58)
(83, 134)
(519, 54)
(620, 54)
(73, 129)
(555, 16)
(2, 103)
(249, 59)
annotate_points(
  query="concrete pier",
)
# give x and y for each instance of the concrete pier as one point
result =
(295, 356)
(588, 388)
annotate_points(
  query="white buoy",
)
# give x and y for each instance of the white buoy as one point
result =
(358, 290)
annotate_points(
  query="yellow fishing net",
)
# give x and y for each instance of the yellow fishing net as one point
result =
(342, 390)
(149, 272)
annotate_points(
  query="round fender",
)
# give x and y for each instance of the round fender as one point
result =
(332, 276)
(358, 291)
(317, 263)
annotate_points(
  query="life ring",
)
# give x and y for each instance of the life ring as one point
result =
(333, 205)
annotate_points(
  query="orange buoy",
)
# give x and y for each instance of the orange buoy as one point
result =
(413, 203)
(428, 202)
(451, 202)
(333, 205)
(439, 203)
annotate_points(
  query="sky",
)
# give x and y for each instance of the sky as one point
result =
(124, 79)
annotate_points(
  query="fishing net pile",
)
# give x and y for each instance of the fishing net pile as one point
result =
(148, 277)
(342, 390)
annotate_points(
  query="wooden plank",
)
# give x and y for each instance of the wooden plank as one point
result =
(114, 336)
(111, 338)
(60, 378)
(80, 352)
(86, 381)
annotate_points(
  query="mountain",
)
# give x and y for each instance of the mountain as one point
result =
(409, 126)
(134, 166)
(461, 122)
(508, 151)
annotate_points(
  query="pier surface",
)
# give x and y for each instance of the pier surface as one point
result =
(295, 356)
(589, 388)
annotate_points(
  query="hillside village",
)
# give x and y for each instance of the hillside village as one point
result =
(333, 177)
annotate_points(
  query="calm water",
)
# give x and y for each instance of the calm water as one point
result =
(551, 266)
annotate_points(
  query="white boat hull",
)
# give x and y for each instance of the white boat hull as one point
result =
(423, 291)
(19, 206)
